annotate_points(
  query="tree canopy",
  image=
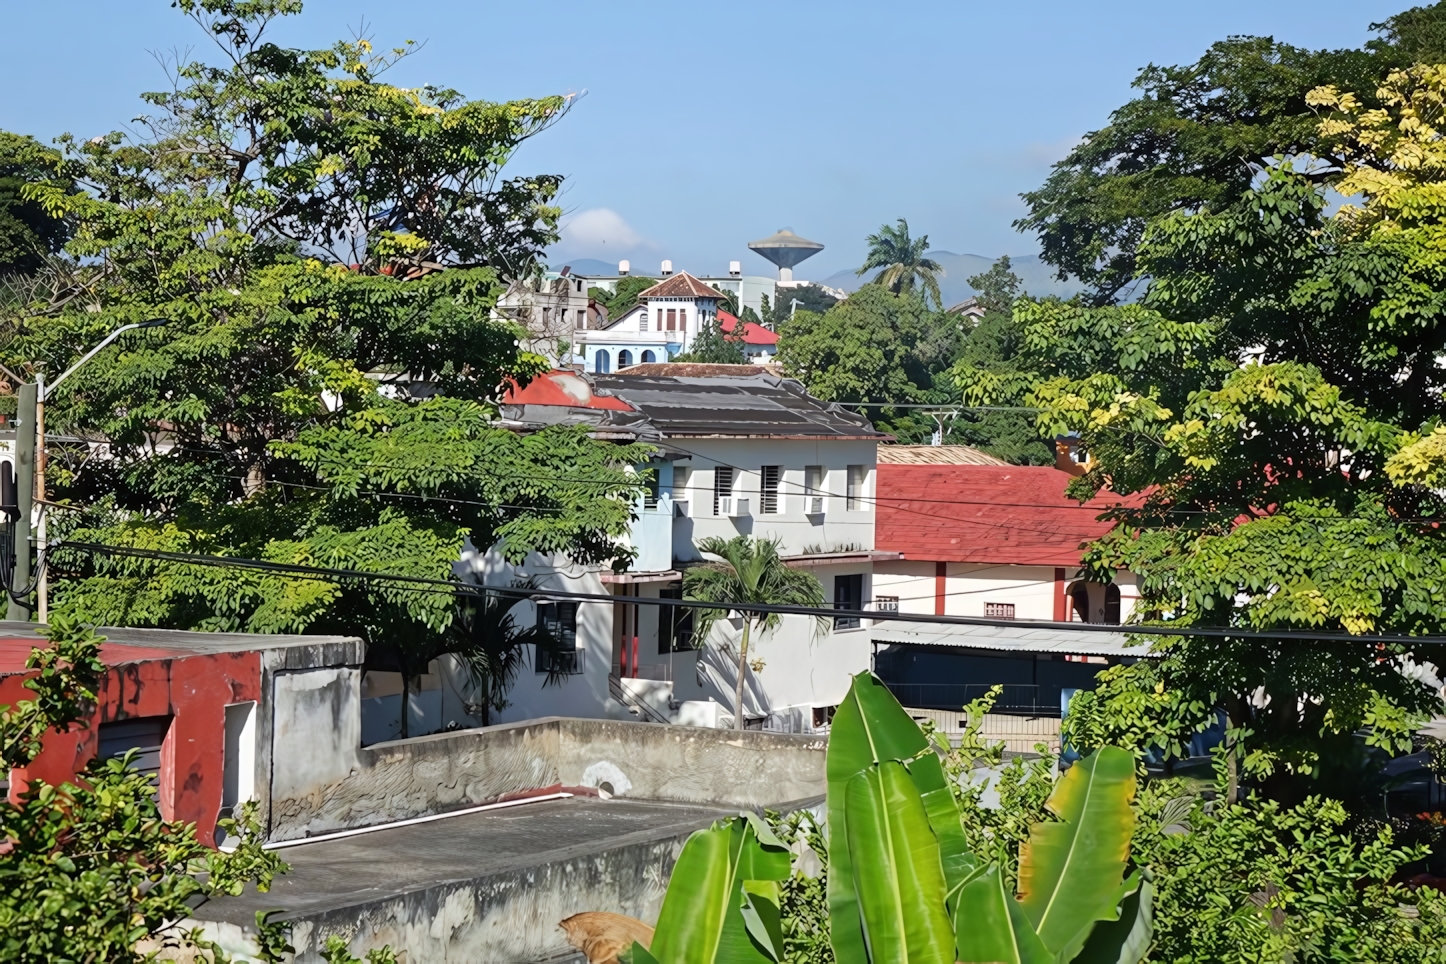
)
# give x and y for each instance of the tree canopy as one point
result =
(325, 248)
(1197, 136)
(1271, 400)
(27, 232)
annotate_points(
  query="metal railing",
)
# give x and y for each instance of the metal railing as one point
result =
(1016, 699)
(562, 663)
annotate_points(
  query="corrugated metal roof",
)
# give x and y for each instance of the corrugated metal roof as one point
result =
(680, 285)
(1021, 639)
(759, 405)
(935, 455)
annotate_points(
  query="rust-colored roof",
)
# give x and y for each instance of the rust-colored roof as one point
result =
(1010, 514)
(935, 455)
(753, 333)
(681, 285)
(567, 389)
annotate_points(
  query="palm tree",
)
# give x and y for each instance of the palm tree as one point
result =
(489, 643)
(902, 261)
(748, 570)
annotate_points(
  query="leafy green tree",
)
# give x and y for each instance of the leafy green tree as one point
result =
(28, 233)
(90, 871)
(326, 248)
(809, 297)
(877, 346)
(902, 263)
(712, 345)
(1265, 401)
(624, 298)
(1196, 136)
(993, 344)
(747, 570)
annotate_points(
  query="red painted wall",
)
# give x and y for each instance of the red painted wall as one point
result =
(192, 689)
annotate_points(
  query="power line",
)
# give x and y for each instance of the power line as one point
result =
(427, 584)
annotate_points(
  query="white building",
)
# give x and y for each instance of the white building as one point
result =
(748, 454)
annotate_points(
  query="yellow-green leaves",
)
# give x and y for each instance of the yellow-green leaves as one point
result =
(1070, 869)
(1420, 461)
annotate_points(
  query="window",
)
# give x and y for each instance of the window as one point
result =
(660, 319)
(648, 357)
(722, 485)
(643, 320)
(680, 489)
(557, 653)
(578, 282)
(546, 312)
(682, 319)
(858, 476)
(675, 624)
(1079, 597)
(146, 735)
(813, 482)
(1112, 604)
(625, 358)
(886, 604)
(672, 319)
(848, 594)
(601, 363)
(582, 318)
(650, 490)
(999, 610)
(768, 488)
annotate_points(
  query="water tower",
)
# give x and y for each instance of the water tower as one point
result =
(785, 249)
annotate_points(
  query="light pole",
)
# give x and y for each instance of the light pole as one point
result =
(30, 471)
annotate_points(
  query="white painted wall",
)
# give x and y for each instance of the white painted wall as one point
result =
(799, 531)
(969, 586)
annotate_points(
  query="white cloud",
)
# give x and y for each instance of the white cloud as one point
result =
(600, 231)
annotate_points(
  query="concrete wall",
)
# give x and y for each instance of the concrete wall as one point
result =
(448, 771)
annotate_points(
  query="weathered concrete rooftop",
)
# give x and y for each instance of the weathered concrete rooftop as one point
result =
(480, 887)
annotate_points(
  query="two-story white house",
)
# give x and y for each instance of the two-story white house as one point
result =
(664, 322)
(740, 452)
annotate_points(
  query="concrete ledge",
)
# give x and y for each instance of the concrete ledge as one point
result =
(450, 771)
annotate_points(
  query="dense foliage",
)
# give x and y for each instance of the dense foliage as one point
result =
(27, 232)
(1195, 138)
(326, 248)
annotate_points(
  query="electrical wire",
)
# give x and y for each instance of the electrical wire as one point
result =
(428, 584)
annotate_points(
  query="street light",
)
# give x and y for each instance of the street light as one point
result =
(30, 471)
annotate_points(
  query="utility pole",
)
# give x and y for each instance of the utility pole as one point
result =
(24, 497)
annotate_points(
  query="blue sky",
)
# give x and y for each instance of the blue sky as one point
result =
(706, 125)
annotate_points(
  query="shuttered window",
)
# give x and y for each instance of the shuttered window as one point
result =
(145, 735)
(768, 488)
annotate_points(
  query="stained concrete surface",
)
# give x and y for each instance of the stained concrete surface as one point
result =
(485, 887)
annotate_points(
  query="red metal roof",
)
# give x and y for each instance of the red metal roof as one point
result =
(753, 333)
(1013, 514)
(567, 389)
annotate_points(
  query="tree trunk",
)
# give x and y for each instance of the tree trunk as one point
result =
(742, 667)
(406, 704)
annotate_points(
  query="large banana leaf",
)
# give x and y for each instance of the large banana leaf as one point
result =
(1126, 939)
(898, 877)
(943, 812)
(1070, 870)
(990, 926)
(869, 727)
(722, 901)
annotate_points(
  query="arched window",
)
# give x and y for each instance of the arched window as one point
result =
(1079, 598)
(601, 363)
(625, 358)
(649, 358)
(1112, 604)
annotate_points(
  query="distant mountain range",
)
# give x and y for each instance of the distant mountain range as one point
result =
(1037, 276)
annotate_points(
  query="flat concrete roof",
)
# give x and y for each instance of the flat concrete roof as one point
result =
(127, 645)
(332, 875)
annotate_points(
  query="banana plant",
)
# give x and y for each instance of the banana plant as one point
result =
(722, 903)
(903, 887)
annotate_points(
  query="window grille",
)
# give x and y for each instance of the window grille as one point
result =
(813, 482)
(768, 494)
(999, 610)
(557, 652)
(722, 485)
(848, 594)
(857, 475)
